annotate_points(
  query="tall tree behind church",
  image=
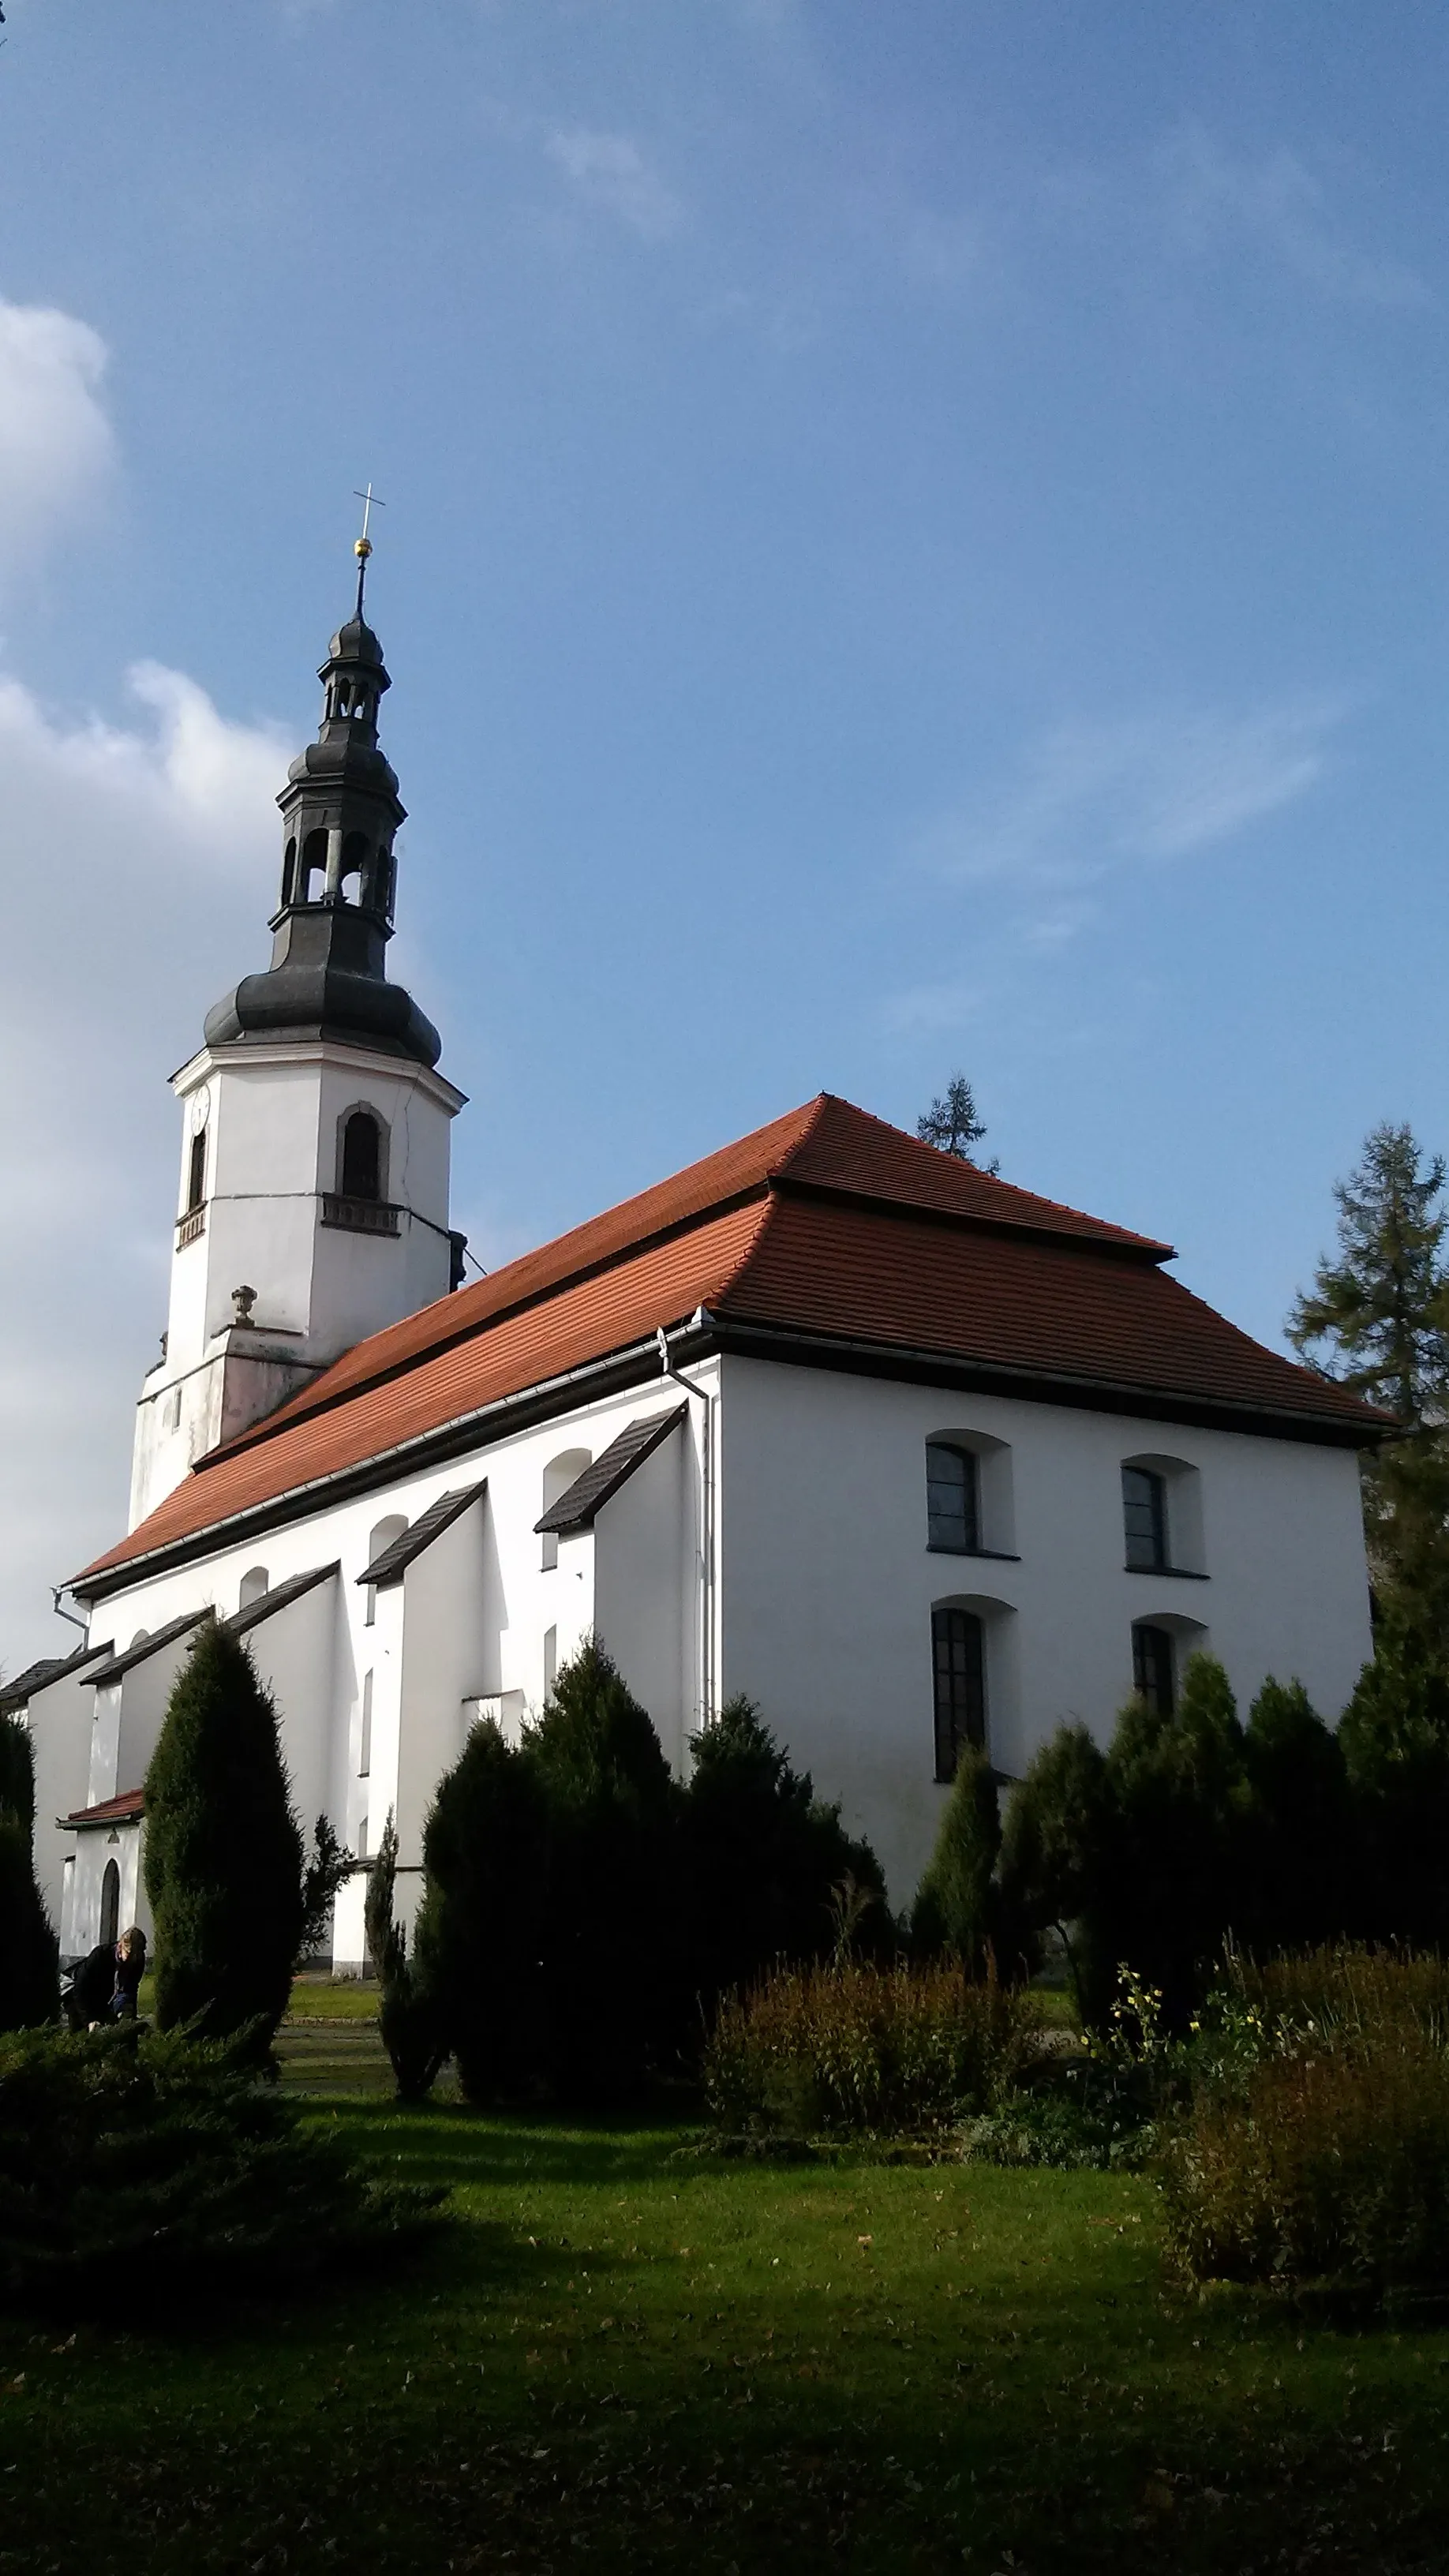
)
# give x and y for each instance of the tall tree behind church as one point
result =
(1377, 1319)
(951, 1124)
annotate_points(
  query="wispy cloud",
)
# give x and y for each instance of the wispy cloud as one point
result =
(56, 449)
(1091, 797)
(1275, 203)
(610, 172)
(924, 1008)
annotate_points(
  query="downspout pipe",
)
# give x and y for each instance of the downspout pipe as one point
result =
(706, 1527)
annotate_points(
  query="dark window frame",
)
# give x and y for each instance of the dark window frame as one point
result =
(1154, 1665)
(196, 1174)
(1144, 1520)
(939, 1538)
(362, 1165)
(958, 1681)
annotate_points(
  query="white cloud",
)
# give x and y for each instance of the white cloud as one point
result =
(609, 171)
(1095, 796)
(56, 450)
(138, 861)
(1276, 204)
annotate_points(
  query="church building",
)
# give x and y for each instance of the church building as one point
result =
(914, 1458)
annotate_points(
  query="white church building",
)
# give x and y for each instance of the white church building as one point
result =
(912, 1457)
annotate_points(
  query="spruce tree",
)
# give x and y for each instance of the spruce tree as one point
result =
(952, 1125)
(955, 1907)
(1394, 1736)
(223, 1852)
(1377, 1320)
(30, 1985)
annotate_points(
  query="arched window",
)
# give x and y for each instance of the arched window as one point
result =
(196, 1173)
(289, 872)
(110, 1905)
(958, 1655)
(1144, 1519)
(354, 861)
(314, 864)
(255, 1585)
(953, 1499)
(558, 1475)
(1152, 1667)
(361, 1157)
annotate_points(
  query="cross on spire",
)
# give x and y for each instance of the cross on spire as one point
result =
(362, 546)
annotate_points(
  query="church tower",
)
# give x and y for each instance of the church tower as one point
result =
(313, 1193)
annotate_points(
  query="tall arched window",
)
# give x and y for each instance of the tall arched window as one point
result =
(254, 1587)
(958, 1654)
(361, 1157)
(380, 1538)
(289, 872)
(110, 1905)
(313, 864)
(354, 862)
(196, 1173)
(1152, 1666)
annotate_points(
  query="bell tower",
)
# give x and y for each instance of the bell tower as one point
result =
(313, 1190)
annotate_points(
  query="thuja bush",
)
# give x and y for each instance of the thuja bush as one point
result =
(1315, 2146)
(899, 2051)
(141, 2169)
(230, 1895)
(958, 1904)
(407, 2014)
(1186, 1831)
(29, 1985)
(761, 1863)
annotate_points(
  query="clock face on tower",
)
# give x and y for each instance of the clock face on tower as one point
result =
(200, 1109)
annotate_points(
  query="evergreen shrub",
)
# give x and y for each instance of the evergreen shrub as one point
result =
(478, 1936)
(30, 1981)
(224, 1869)
(1315, 2149)
(408, 2015)
(958, 1903)
(762, 1862)
(142, 2169)
(889, 2051)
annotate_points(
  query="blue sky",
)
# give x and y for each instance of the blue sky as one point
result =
(915, 539)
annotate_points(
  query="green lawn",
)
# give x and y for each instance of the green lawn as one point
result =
(622, 2357)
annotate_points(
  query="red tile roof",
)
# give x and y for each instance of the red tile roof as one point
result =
(825, 1223)
(111, 1811)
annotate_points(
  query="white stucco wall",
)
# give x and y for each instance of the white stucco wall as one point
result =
(646, 1587)
(827, 1583)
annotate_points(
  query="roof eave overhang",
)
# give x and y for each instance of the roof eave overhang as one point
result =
(635, 1365)
(782, 1343)
(705, 1332)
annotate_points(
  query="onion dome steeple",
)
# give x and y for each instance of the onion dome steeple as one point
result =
(340, 810)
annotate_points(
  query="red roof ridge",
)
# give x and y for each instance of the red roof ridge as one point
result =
(817, 1147)
(600, 1242)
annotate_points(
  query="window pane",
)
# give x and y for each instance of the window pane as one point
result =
(1152, 1667)
(361, 1158)
(960, 1677)
(952, 1517)
(1145, 1519)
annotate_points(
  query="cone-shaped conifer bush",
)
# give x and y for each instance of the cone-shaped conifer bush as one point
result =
(477, 1942)
(30, 1986)
(956, 1903)
(1395, 1739)
(17, 1772)
(1054, 1851)
(611, 1984)
(407, 2015)
(223, 1852)
(761, 1859)
(1303, 1881)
